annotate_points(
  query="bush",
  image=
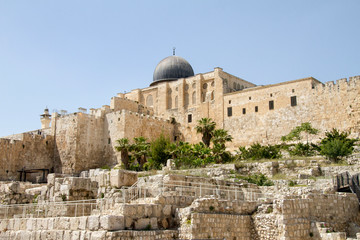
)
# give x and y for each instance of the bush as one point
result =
(301, 149)
(258, 179)
(336, 145)
(159, 153)
(257, 151)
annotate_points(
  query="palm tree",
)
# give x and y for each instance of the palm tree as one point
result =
(206, 127)
(141, 150)
(221, 136)
(124, 147)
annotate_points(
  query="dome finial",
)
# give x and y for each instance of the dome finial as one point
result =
(174, 51)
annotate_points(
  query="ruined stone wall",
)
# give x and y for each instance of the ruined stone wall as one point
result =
(324, 106)
(33, 151)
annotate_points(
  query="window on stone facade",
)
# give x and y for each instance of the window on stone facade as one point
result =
(176, 102)
(293, 101)
(270, 94)
(293, 90)
(229, 101)
(109, 140)
(189, 118)
(229, 111)
(149, 101)
(256, 108)
(271, 105)
(194, 98)
(244, 110)
(249, 98)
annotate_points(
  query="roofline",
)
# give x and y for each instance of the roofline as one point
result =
(273, 85)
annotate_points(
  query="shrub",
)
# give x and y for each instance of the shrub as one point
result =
(301, 149)
(257, 151)
(258, 179)
(159, 153)
(336, 145)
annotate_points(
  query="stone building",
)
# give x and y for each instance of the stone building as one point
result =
(172, 105)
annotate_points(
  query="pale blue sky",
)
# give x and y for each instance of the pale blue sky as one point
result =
(68, 54)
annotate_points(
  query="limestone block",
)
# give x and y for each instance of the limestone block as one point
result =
(63, 223)
(82, 223)
(154, 223)
(93, 223)
(59, 234)
(3, 224)
(167, 210)
(74, 223)
(51, 223)
(75, 235)
(17, 224)
(112, 222)
(99, 235)
(142, 223)
(67, 235)
(34, 191)
(128, 222)
(120, 178)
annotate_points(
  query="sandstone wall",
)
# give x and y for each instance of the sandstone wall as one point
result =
(324, 106)
(33, 151)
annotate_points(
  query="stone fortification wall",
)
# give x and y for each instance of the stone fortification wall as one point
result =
(325, 106)
(33, 151)
(79, 142)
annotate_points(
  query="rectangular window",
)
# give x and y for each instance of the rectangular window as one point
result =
(293, 101)
(256, 109)
(229, 111)
(271, 105)
(189, 118)
(244, 110)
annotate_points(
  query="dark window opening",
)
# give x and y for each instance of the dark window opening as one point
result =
(293, 90)
(256, 109)
(293, 101)
(118, 119)
(249, 98)
(270, 94)
(109, 140)
(175, 138)
(229, 111)
(244, 110)
(271, 105)
(23, 146)
(229, 101)
(47, 143)
(189, 118)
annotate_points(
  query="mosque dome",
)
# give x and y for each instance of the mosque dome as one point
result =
(172, 68)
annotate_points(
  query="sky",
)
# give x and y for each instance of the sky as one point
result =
(79, 53)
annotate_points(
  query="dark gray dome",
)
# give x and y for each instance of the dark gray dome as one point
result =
(172, 68)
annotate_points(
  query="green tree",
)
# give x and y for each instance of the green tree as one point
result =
(206, 127)
(301, 149)
(159, 152)
(336, 145)
(140, 148)
(124, 147)
(220, 137)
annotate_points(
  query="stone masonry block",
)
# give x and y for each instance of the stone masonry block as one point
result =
(93, 223)
(120, 178)
(112, 222)
(142, 223)
(99, 235)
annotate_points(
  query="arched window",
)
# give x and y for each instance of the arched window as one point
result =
(176, 102)
(194, 98)
(186, 99)
(149, 100)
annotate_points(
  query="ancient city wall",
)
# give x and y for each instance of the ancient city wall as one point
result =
(32, 152)
(79, 142)
(324, 106)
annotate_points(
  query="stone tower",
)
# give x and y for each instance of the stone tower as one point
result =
(45, 119)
